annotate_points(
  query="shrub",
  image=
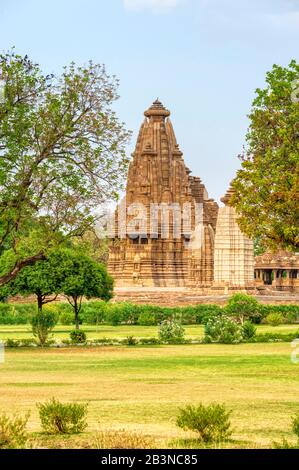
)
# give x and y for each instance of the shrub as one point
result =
(149, 341)
(147, 319)
(204, 312)
(248, 330)
(66, 318)
(295, 424)
(242, 307)
(122, 439)
(131, 341)
(274, 319)
(78, 336)
(13, 431)
(171, 331)
(62, 418)
(222, 329)
(42, 325)
(211, 422)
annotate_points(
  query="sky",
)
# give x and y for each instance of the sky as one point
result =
(202, 58)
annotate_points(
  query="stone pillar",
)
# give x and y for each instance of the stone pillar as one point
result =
(233, 252)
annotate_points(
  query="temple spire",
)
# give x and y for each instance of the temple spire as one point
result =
(157, 109)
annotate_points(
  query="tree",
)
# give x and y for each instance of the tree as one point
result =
(40, 279)
(62, 153)
(80, 276)
(242, 307)
(266, 187)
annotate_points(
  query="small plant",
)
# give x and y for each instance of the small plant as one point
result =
(248, 330)
(211, 422)
(295, 425)
(13, 432)
(171, 331)
(274, 319)
(131, 341)
(222, 329)
(122, 439)
(62, 418)
(78, 336)
(42, 325)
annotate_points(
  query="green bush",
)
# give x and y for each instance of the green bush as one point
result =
(130, 341)
(248, 330)
(242, 307)
(66, 318)
(93, 313)
(171, 332)
(149, 341)
(42, 325)
(211, 422)
(13, 432)
(295, 424)
(147, 319)
(78, 336)
(62, 418)
(222, 329)
(274, 319)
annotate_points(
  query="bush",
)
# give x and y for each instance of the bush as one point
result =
(211, 422)
(147, 319)
(222, 329)
(171, 331)
(130, 341)
(242, 307)
(274, 319)
(248, 330)
(149, 341)
(13, 431)
(62, 418)
(42, 325)
(66, 318)
(295, 424)
(78, 336)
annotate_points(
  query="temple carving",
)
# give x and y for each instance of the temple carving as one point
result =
(159, 183)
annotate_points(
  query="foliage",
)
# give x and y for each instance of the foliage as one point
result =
(80, 276)
(42, 325)
(13, 432)
(147, 319)
(266, 188)
(274, 319)
(211, 422)
(62, 418)
(248, 330)
(62, 152)
(131, 341)
(242, 307)
(171, 331)
(78, 336)
(222, 329)
(295, 424)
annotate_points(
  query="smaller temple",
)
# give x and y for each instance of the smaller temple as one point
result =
(277, 271)
(233, 252)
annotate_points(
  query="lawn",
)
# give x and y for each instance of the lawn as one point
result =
(122, 331)
(141, 388)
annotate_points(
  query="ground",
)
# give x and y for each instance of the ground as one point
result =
(141, 388)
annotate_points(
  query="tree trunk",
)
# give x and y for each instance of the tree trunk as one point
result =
(39, 303)
(76, 308)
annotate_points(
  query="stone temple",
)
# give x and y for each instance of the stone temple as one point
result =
(204, 247)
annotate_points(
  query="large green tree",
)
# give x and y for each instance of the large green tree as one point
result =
(266, 187)
(62, 153)
(80, 276)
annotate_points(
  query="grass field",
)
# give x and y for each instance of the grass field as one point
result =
(141, 388)
(122, 331)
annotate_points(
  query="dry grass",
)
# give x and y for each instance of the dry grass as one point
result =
(140, 389)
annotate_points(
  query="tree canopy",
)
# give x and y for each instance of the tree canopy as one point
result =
(266, 187)
(62, 153)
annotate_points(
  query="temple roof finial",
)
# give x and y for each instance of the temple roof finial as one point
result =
(157, 109)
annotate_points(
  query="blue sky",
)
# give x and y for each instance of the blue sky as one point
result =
(202, 58)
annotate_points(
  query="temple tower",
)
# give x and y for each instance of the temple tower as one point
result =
(158, 175)
(233, 252)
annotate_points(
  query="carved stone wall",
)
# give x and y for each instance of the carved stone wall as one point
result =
(158, 174)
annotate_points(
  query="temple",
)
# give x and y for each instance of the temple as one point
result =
(203, 246)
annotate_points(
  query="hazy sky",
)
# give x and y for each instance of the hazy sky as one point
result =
(202, 58)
